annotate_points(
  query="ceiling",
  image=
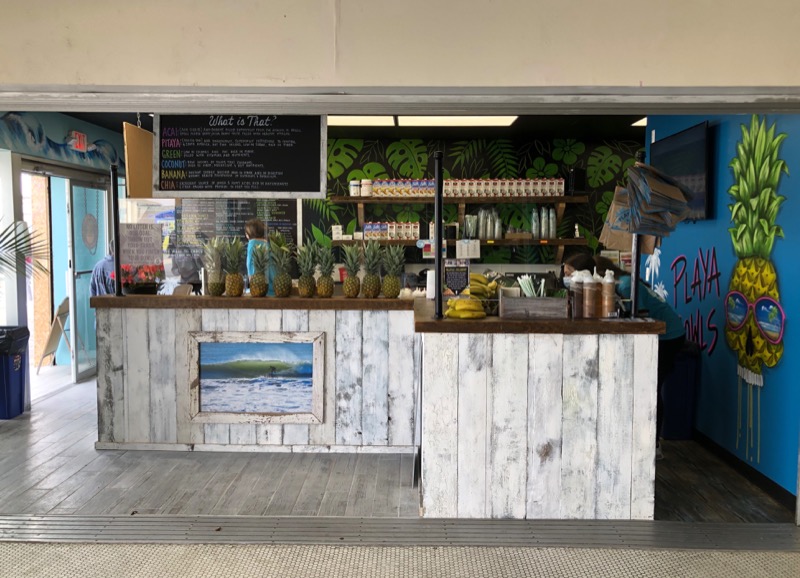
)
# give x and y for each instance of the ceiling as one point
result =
(539, 126)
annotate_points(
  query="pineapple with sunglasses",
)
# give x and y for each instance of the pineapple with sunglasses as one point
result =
(754, 318)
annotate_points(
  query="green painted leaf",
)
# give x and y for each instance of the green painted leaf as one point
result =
(567, 150)
(503, 159)
(326, 209)
(371, 171)
(604, 204)
(541, 169)
(320, 237)
(351, 227)
(602, 167)
(465, 151)
(341, 155)
(496, 254)
(408, 157)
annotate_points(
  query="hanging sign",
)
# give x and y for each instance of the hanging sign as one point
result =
(456, 274)
(240, 155)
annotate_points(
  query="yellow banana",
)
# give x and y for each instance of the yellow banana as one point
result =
(464, 314)
(479, 278)
(467, 305)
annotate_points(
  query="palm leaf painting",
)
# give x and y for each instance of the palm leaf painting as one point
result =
(320, 237)
(409, 157)
(503, 159)
(603, 166)
(324, 208)
(465, 151)
(341, 155)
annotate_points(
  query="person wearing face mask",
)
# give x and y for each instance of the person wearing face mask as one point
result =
(576, 262)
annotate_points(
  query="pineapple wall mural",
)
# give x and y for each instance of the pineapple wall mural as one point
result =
(605, 164)
(754, 316)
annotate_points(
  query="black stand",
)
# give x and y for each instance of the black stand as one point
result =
(437, 244)
(115, 228)
(635, 261)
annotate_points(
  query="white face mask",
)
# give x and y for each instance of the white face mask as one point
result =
(567, 281)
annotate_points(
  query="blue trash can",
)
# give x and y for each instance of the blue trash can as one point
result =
(13, 365)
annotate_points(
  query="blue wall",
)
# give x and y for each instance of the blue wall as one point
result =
(60, 239)
(699, 296)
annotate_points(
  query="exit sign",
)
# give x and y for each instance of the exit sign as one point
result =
(77, 141)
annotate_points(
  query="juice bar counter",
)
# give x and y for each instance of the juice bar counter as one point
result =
(519, 419)
(551, 419)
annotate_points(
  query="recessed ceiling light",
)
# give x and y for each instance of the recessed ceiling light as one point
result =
(355, 120)
(455, 120)
(640, 122)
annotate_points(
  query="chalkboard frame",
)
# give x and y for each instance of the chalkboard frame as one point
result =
(251, 194)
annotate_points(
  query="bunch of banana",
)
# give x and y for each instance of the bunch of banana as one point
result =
(465, 308)
(482, 289)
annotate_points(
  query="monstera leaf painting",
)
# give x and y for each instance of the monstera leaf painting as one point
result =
(409, 157)
(603, 166)
(371, 171)
(341, 155)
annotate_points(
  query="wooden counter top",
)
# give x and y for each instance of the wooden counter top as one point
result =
(247, 302)
(425, 323)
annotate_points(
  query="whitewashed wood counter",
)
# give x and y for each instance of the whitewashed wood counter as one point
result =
(538, 419)
(371, 375)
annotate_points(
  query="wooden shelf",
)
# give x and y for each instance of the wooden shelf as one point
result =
(484, 243)
(462, 200)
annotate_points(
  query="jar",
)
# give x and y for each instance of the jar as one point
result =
(366, 188)
(576, 288)
(609, 300)
(355, 188)
(591, 292)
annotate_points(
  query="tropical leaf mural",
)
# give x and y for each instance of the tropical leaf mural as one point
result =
(603, 167)
(341, 154)
(567, 150)
(409, 157)
(503, 159)
(372, 171)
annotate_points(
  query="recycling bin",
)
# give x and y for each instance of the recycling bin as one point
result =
(13, 365)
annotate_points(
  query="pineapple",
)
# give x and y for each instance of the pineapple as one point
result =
(394, 257)
(214, 262)
(757, 171)
(352, 265)
(281, 255)
(307, 263)
(372, 265)
(258, 280)
(234, 257)
(325, 281)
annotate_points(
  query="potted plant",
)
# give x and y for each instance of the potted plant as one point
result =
(141, 279)
(19, 246)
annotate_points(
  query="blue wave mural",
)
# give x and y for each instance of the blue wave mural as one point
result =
(23, 132)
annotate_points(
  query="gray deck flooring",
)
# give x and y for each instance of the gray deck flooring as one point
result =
(48, 465)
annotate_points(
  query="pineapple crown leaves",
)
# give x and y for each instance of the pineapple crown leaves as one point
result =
(757, 172)
(280, 252)
(394, 257)
(234, 255)
(325, 260)
(214, 253)
(307, 259)
(260, 257)
(372, 257)
(352, 259)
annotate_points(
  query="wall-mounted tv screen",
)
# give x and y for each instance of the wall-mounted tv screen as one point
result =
(685, 157)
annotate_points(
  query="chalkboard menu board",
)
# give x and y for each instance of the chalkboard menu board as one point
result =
(240, 155)
(198, 220)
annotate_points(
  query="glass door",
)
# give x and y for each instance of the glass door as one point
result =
(87, 208)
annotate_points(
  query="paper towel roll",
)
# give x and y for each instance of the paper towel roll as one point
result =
(430, 285)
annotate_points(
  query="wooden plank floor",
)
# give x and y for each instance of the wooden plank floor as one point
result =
(48, 465)
(694, 485)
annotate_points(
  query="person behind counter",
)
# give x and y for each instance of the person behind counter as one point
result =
(576, 262)
(669, 344)
(186, 262)
(102, 282)
(256, 232)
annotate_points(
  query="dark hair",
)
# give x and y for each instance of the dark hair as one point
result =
(255, 228)
(580, 261)
(603, 264)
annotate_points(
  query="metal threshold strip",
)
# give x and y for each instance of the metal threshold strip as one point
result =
(399, 532)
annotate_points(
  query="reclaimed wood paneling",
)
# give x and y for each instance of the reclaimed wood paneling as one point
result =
(545, 381)
(348, 378)
(336, 303)
(614, 427)
(440, 425)
(645, 364)
(137, 378)
(325, 433)
(579, 445)
(110, 376)
(375, 378)
(402, 391)
(186, 320)
(474, 359)
(163, 407)
(508, 443)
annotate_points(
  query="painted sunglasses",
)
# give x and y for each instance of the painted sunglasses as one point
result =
(767, 313)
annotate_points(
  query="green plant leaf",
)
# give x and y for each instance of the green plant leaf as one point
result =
(567, 150)
(541, 169)
(503, 159)
(341, 155)
(351, 227)
(465, 151)
(408, 157)
(371, 171)
(602, 167)
(320, 237)
(22, 250)
(326, 209)
(496, 254)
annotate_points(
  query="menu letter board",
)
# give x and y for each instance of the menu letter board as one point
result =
(240, 155)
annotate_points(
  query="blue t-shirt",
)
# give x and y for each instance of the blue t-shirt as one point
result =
(251, 268)
(656, 307)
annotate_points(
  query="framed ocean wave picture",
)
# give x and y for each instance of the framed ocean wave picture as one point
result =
(249, 377)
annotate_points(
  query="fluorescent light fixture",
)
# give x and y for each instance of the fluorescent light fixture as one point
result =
(455, 120)
(355, 120)
(640, 122)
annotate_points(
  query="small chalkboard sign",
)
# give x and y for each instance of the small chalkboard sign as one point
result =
(456, 274)
(240, 155)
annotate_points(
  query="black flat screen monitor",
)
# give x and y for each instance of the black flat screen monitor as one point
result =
(684, 156)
